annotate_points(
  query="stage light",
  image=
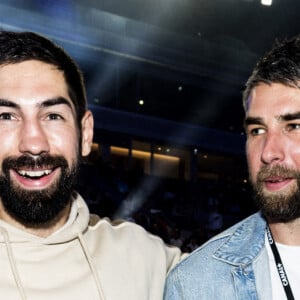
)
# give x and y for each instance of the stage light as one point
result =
(266, 2)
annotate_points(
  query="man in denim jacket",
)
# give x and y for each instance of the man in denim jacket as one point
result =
(243, 262)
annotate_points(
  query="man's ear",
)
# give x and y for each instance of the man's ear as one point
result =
(87, 131)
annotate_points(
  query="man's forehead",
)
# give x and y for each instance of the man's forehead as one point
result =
(248, 102)
(31, 79)
(249, 99)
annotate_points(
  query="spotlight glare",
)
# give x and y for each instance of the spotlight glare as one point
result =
(266, 2)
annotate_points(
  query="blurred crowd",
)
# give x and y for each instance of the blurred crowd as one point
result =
(182, 213)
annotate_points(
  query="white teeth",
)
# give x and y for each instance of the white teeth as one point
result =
(34, 173)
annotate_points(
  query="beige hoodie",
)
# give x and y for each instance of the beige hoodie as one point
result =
(82, 261)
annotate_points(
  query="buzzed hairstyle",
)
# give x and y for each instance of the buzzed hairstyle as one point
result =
(279, 65)
(16, 47)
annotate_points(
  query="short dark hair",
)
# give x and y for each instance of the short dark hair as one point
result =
(279, 65)
(16, 47)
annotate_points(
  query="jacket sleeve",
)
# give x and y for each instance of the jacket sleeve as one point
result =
(173, 290)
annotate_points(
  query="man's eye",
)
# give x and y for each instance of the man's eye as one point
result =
(256, 131)
(292, 126)
(5, 116)
(55, 117)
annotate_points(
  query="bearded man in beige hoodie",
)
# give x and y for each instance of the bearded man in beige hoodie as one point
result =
(49, 249)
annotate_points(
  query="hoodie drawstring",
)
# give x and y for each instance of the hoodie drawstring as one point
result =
(13, 264)
(17, 276)
(91, 265)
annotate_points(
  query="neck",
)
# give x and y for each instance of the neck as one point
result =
(40, 231)
(286, 233)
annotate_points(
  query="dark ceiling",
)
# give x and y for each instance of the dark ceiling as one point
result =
(187, 59)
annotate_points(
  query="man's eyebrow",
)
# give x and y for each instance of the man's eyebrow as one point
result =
(290, 116)
(55, 101)
(259, 121)
(253, 120)
(8, 103)
(46, 103)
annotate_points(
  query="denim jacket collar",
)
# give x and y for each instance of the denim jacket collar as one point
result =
(245, 243)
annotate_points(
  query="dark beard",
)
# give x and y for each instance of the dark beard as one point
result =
(37, 208)
(278, 207)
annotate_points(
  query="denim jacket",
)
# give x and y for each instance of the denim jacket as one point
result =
(232, 265)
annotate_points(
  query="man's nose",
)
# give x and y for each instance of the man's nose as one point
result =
(273, 148)
(33, 138)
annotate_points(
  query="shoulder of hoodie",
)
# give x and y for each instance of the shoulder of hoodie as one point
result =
(122, 227)
(135, 240)
(127, 233)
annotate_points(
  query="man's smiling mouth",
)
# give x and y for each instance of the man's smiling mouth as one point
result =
(34, 174)
(277, 179)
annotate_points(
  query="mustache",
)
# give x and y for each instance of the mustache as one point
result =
(277, 171)
(27, 161)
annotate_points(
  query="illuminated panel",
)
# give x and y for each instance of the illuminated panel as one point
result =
(164, 165)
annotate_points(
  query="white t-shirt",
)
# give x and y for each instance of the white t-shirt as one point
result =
(290, 257)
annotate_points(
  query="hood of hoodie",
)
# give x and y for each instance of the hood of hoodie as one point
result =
(74, 228)
(69, 232)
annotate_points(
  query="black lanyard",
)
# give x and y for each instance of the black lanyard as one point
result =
(279, 265)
